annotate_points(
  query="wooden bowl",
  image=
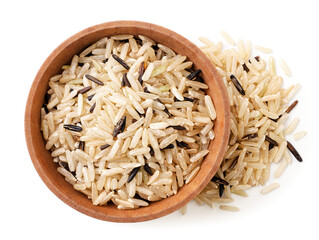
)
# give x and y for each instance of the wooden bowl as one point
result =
(62, 55)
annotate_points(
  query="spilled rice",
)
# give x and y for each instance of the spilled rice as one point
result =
(259, 110)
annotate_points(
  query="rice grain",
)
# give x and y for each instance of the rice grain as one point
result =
(270, 188)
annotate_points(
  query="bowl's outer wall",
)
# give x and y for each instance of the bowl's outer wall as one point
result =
(63, 54)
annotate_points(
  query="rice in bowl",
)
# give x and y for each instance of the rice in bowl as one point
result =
(128, 121)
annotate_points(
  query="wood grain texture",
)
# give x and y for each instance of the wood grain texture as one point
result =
(63, 54)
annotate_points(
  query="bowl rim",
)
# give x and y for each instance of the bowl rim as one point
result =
(142, 215)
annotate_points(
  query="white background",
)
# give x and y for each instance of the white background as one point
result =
(31, 30)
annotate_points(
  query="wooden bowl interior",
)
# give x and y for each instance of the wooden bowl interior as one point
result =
(63, 54)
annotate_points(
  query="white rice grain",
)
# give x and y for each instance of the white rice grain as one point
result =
(159, 125)
(263, 49)
(139, 151)
(284, 67)
(270, 188)
(229, 208)
(210, 107)
(292, 126)
(280, 169)
(226, 36)
(199, 155)
(299, 135)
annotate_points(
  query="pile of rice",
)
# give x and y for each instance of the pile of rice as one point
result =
(128, 121)
(259, 109)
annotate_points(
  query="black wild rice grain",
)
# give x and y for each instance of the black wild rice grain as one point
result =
(123, 125)
(148, 169)
(94, 79)
(81, 145)
(181, 128)
(292, 106)
(121, 61)
(237, 84)
(90, 97)
(275, 120)
(92, 107)
(73, 128)
(146, 90)
(271, 146)
(188, 99)
(251, 136)
(125, 81)
(167, 112)
(245, 67)
(141, 72)
(165, 109)
(170, 146)
(151, 151)
(120, 126)
(133, 174)
(221, 189)
(194, 74)
(84, 90)
(272, 141)
(182, 144)
(231, 167)
(134, 120)
(64, 165)
(104, 146)
(257, 59)
(294, 151)
(219, 181)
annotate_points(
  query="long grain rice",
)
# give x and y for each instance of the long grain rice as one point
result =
(281, 168)
(263, 49)
(226, 36)
(229, 208)
(292, 126)
(270, 188)
(299, 135)
(285, 67)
